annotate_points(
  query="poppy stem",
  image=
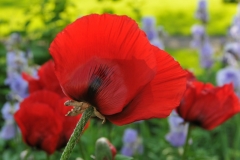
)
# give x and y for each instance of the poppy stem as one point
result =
(76, 133)
(184, 155)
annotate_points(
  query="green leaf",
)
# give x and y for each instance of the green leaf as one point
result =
(122, 157)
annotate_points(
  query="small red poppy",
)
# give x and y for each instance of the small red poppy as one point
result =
(46, 79)
(42, 121)
(108, 62)
(208, 106)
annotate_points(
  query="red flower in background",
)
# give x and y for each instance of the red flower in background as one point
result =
(41, 119)
(46, 79)
(108, 62)
(208, 106)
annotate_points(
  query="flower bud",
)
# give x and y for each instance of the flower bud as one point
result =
(104, 150)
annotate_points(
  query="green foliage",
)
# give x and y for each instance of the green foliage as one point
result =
(42, 19)
(121, 157)
(230, 1)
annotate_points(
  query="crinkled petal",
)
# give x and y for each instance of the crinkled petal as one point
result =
(104, 60)
(160, 96)
(208, 106)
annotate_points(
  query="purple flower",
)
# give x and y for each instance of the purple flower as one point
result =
(17, 84)
(176, 139)
(198, 34)
(233, 48)
(148, 26)
(8, 110)
(148, 22)
(178, 130)
(198, 31)
(235, 31)
(236, 20)
(206, 55)
(201, 12)
(132, 143)
(157, 42)
(151, 32)
(9, 130)
(13, 41)
(229, 75)
(16, 61)
(202, 5)
(130, 136)
(127, 151)
(230, 59)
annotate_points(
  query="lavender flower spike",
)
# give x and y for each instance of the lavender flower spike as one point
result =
(132, 144)
(17, 84)
(9, 130)
(178, 130)
(198, 34)
(8, 110)
(229, 75)
(148, 26)
(130, 136)
(206, 54)
(201, 12)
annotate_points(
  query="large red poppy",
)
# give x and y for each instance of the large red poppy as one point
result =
(107, 61)
(208, 106)
(46, 79)
(42, 121)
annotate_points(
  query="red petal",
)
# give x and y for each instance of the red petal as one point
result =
(160, 96)
(47, 79)
(190, 76)
(194, 89)
(208, 106)
(33, 84)
(38, 122)
(228, 105)
(115, 57)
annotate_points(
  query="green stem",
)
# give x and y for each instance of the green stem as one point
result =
(76, 133)
(48, 157)
(186, 143)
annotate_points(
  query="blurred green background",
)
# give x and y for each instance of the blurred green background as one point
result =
(28, 16)
(39, 21)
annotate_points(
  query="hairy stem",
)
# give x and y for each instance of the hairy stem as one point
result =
(76, 133)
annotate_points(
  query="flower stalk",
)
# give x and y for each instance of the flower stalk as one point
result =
(77, 132)
(184, 155)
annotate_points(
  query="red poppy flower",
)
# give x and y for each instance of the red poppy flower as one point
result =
(108, 62)
(42, 121)
(208, 106)
(46, 79)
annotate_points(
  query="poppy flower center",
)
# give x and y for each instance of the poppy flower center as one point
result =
(80, 107)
